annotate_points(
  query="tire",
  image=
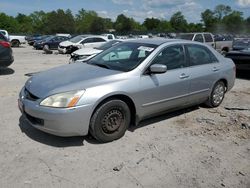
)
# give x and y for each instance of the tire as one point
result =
(46, 46)
(110, 121)
(15, 43)
(217, 95)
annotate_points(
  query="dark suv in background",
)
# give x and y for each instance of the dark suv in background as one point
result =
(6, 57)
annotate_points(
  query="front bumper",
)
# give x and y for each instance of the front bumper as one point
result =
(56, 121)
(62, 50)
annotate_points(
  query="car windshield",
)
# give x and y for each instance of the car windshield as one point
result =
(48, 38)
(185, 36)
(123, 57)
(76, 39)
(108, 45)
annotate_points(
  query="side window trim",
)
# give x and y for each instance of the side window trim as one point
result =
(144, 72)
(215, 60)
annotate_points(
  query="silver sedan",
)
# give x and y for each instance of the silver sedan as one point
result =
(119, 87)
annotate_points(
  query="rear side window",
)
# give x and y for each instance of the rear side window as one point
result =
(199, 38)
(208, 38)
(200, 55)
(172, 56)
(88, 40)
(99, 40)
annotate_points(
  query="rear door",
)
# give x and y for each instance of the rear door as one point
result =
(168, 90)
(204, 71)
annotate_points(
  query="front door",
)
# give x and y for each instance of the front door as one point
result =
(167, 90)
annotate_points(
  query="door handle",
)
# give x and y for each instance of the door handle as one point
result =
(215, 69)
(183, 76)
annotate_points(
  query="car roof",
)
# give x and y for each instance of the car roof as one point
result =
(155, 41)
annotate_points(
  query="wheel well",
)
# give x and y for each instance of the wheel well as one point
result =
(125, 99)
(15, 40)
(225, 82)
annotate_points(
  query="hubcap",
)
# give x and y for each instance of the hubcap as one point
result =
(112, 121)
(218, 94)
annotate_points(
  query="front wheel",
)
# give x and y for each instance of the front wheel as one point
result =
(217, 95)
(110, 121)
(46, 47)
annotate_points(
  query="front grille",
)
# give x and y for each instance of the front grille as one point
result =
(30, 96)
(34, 120)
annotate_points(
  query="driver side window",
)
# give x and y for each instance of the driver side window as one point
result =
(173, 57)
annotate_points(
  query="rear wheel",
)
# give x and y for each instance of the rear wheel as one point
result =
(217, 95)
(110, 121)
(15, 43)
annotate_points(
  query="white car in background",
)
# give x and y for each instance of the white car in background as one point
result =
(84, 54)
(81, 41)
(15, 40)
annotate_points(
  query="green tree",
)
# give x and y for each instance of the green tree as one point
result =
(84, 20)
(234, 22)
(222, 10)
(97, 25)
(165, 26)
(24, 23)
(178, 22)
(60, 22)
(209, 19)
(8, 23)
(123, 24)
(38, 22)
(151, 24)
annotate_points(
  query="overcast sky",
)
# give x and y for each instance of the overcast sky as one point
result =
(138, 9)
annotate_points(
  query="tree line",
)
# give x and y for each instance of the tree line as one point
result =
(220, 20)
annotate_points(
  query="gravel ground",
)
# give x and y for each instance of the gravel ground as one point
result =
(196, 147)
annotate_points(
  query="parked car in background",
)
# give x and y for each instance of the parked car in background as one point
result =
(29, 37)
(109, 36)
(198, 37)
(110, 92)
(16, 40)
(84, 54)
(241, 43)
(81, 41)
(32, 40)
(51, 42)
(241, 58)
(223, 43)
(6, 57)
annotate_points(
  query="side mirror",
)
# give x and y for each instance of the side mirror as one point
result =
(157, 69)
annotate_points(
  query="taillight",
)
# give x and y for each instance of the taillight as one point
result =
(5, 44)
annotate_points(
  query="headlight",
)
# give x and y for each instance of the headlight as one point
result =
(63, 100)
(80, 57)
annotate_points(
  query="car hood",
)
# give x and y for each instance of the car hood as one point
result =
(70, 77)
(66, 43)
(87, 51)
